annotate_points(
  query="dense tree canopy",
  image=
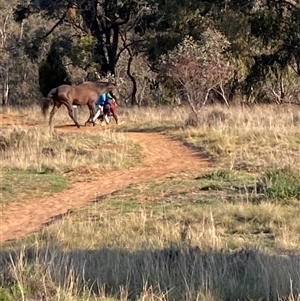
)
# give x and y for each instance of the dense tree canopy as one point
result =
(52, 72)
(129, 38)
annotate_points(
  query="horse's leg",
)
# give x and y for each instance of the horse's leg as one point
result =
(56, 106)
(90, 119)
(92, 113)
(71, 114)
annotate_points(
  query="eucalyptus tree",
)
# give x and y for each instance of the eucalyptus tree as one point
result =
(94, 26)
(264, 39)
(265, 44)
(9, 39)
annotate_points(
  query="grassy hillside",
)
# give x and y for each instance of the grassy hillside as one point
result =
(228, 234)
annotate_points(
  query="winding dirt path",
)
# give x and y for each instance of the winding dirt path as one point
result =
(163, 157)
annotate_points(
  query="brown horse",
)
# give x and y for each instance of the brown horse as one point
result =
(84, 94)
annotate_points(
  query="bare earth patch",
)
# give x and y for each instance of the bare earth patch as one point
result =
(162, 157)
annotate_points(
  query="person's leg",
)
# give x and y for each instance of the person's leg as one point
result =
(106, 111)
(97, 113)
(106, 119)
(113, 110)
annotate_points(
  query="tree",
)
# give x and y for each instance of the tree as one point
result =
(52, 72)
(6, 45)
(263, 36)
(199, 67)
(173, 21)
(277, 28)
(4, 62)
(103, 20)
(265, 44)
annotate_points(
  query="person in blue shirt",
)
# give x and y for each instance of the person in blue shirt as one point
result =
(106, 104)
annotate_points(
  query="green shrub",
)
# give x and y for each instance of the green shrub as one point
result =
(10, 293)
(281, 184)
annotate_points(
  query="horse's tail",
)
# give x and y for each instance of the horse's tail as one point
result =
(48, 101)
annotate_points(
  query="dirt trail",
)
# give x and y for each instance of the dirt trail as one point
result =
(163, 156)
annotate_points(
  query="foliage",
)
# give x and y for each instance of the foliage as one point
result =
(52, 72)
(199, 66)
(10, 292)
(174, 21)
(103, 24)
(265, 41)
(113, 37)
(281, 184)
(83, 52)
(263, 37)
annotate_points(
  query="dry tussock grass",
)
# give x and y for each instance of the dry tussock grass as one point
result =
(249, 138)
(172, 273)
(38, 149)
(178, 248)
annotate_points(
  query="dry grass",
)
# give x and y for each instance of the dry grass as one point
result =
(154, 119)
(31, 155)
(250, 138)
(223, 236)
(152, 275)
(178, 240)
(38, 149)
(34, 114)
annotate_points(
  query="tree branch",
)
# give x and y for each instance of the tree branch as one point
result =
(291, 2)
(76, 26)
(3, 31)
(297, 71)
(59, 22)
(125, 46)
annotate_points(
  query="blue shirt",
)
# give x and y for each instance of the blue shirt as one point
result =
(101, 100)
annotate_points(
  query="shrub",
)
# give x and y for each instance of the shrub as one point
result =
(52, 72)
(281, 184)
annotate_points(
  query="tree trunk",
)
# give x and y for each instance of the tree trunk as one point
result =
(133, 80)
(112, 50)
(5, 90)
(101, 59)
(93, 25)
(282, 93)
(234, 86)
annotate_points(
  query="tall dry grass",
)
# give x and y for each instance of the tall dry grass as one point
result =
(249, 138)
(38, 149)
(252, 138)
(34, 114)
(172, 273)
(155, 117)
(178, 249)
(183, 246)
